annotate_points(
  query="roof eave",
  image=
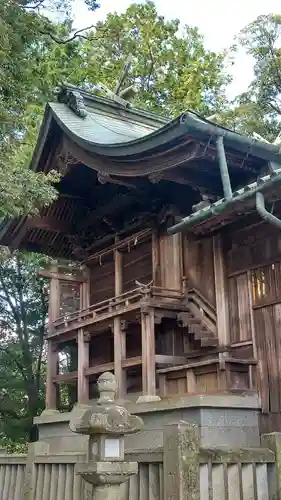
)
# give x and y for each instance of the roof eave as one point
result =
(219, 207)
(186, 124)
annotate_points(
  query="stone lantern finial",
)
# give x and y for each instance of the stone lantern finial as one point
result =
(107, 387)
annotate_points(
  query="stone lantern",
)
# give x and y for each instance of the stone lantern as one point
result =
(106, 424)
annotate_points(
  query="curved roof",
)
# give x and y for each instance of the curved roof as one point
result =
(118, 141)
(111, 130)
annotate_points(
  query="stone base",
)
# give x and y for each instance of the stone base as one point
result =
(49, 413)
(116, 473)
(223, 420)
(147, 399)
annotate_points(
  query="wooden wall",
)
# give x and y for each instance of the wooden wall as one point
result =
(158, 259)
(198, 265)
(254, 278)
(240, 308)
(102, 283)
(137, 264)
(170, 257)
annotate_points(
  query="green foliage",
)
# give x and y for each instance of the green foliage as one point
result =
(262, 41)
(32, 64)
(259, 108)
(171, 70)
(23, 321)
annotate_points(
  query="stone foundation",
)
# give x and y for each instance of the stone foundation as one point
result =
(223, 420)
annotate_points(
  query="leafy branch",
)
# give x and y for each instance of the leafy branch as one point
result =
(76, 34)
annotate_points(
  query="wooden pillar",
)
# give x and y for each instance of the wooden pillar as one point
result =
(155, 258)
(52, 350)
(52, 366)
(177, 261)
(119, 332)
(148, 357)
(85, 289)
(83, 363)
(221, 291)
(83, 344)
(119, 354)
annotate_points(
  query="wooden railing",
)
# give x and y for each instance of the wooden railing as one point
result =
(108, 308)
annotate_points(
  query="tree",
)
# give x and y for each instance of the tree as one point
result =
(32, 61)
(23, 322)
(259, 108)
(171, 70)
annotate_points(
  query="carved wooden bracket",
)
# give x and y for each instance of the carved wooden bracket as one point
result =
(64, 162)
(123, 326)
(156, 177)
(105, 178)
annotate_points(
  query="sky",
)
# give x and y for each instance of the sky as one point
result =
(218, 21)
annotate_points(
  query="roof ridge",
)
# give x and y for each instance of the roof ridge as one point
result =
(74, 97)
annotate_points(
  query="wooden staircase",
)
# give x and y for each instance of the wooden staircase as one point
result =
(199, 320)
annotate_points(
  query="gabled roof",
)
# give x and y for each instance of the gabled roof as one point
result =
(148, 155)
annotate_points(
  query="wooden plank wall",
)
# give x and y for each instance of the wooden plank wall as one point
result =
(171, 266)
(137, 264)
(138, 258)
(239, 308)
(254, 270)
(198, 266)
(102, 283)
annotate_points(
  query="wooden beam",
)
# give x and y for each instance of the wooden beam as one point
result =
(52, 364)
(118, 260)
(109, 238)
(135, 361)
(155, 259)
(48, 223)
(148, 357)
(83, 364)
(89, 321)
(83, 343)
(65, 338)
(95, 370)
(139, 236)
(221, 291)
(65, 378)
(54, 298)
(61, 276)
(85, 288)
(118, 332)
(52, 348)
(162, 359)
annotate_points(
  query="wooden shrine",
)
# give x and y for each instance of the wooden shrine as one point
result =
(172, 230)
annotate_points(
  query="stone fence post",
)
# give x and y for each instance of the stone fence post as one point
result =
(106, 423)
(181, 462)
(273, 442)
